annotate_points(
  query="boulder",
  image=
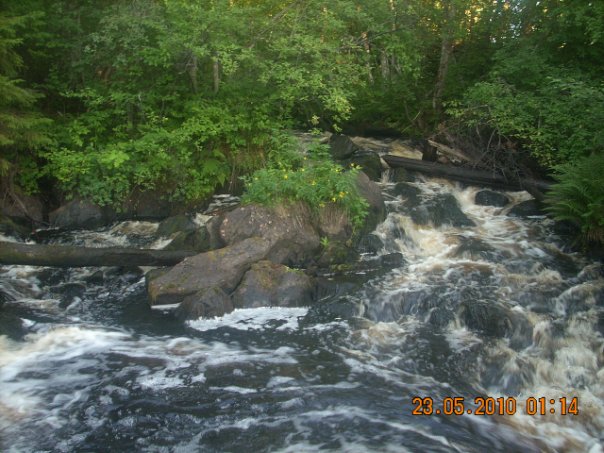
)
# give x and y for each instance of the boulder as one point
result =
(369, 161)
(399, 174)
(491, 198)
(293, 231)
(12, 325)
(293, 239)
(213, 229)
(526, 208)
(342, 147)
(392, 260)
(333, 223)
(147, 205)
(197, 240)
(410, 194)
(79, 214)
(10, 228)
(373, 194)
(337, 253)
(176, 224)
(496, 320)
(270, 284)
(222, 268)
(205, 303)
(370, 243)
(440, 210)
(476, 249)
(21, 207)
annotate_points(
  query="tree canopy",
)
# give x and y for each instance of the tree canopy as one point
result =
(105, 97)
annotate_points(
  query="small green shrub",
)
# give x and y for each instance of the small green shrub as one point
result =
(313, 179)
(578, 196)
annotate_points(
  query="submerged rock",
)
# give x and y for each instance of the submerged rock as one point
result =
(399, 174)
(526, 208)
(441, 210)
(476, 249)
(176, 224)
(491, 198)
(273, 285)
(495, 320)
(410, 193)
(393, 260)
(205, 303)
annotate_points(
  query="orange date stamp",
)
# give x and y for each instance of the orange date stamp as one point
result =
(507, 405)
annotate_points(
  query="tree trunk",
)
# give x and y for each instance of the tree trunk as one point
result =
(466, 175)
(216, 71)
(70, 256)
(192, 67)
(446, 48)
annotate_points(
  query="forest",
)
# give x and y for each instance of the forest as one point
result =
(102, 98)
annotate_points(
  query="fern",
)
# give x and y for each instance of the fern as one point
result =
(578, 196)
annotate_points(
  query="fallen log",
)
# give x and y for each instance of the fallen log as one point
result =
(70, 256)
(466, 175)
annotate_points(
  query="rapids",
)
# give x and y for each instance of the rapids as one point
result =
(500, 309)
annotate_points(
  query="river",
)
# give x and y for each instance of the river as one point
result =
(498, 310)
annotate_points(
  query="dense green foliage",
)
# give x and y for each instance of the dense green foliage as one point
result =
(104, 98)
(313, 179)
(578, 197)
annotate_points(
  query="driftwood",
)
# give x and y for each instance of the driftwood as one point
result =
(466, 175)
(70, 256)
(452, 153)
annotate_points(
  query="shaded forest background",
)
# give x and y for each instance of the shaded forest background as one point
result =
(102, 98)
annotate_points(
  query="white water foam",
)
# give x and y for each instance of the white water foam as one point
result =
(253, 319)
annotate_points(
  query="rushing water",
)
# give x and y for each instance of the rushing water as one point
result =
(493, 310)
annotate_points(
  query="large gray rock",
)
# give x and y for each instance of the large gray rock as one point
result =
(440, 210)
(333, 223)
(342, 147)
(78, 214)
(10, 228)
(270, 284)
(22, 207)
(197, 240)
(205, 303)
(373, 194)
(292, 237)
(148, 204)
(222, 268)
(176, 224)
(369, 161)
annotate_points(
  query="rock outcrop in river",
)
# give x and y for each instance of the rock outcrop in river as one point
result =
(261, 246)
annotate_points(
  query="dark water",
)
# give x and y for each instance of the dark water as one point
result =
(494, 310)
